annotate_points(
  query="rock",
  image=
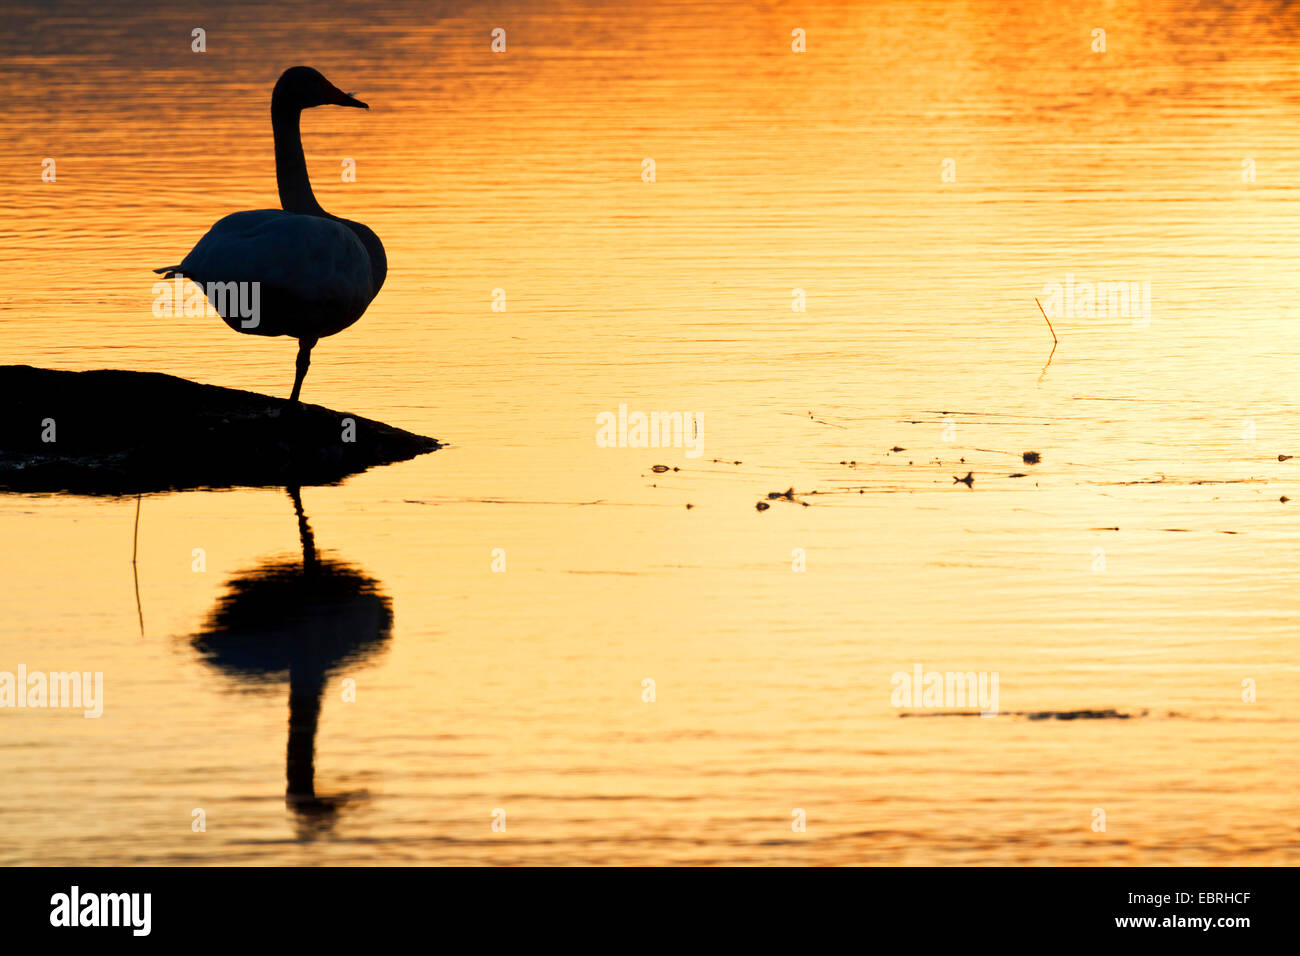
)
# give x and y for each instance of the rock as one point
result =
(124, 433)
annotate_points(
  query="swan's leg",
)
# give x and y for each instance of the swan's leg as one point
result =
(304, 360)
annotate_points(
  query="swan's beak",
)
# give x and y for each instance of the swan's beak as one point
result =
(340, 98)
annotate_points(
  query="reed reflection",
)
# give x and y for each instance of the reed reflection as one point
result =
(304, 620)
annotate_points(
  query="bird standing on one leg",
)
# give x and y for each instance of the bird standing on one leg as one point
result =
(300, 367)
(314, 274)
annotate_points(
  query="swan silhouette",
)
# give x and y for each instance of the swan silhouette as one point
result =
(316, 273)
(305, 621)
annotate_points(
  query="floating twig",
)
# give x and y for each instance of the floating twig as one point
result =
(1055, 341)
(1049, 322)
(135, 571)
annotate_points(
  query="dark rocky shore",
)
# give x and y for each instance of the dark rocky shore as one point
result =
(125, 433)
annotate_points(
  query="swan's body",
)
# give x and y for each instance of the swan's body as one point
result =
(316, 273)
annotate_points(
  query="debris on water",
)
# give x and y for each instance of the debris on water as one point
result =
(762, 506)
(968, 481)
(1031, 457)
(1108, 714)
(820, 421)
(1143, 481)
(787, 495)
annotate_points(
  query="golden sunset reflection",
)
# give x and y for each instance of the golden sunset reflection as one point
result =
(522, 688)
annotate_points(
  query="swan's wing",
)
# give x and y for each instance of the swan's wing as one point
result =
(309, 259)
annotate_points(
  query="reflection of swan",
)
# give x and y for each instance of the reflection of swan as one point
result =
(316, 273)
(304, 621)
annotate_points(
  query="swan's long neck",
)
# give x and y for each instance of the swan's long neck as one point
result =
(290, 163)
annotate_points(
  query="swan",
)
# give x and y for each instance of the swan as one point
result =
(315, 273)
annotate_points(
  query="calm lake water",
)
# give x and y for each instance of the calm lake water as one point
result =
(922, 173)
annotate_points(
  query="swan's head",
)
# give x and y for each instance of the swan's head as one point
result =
(301, 88)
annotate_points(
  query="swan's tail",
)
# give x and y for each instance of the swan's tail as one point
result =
(169, 272)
